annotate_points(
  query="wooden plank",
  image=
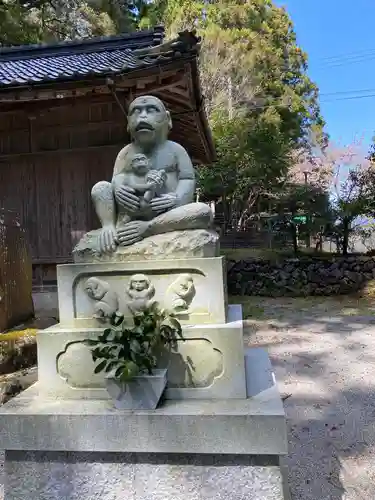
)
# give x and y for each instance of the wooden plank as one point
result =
(17, 189)
(36, 107)
(54, 152)
(99, 168)
(75, 201)
(78, 176)
(48, 200)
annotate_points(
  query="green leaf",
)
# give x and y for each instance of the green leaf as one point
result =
(100, 367)
(135, 346)
(127, 351)
(132, 368)
(175, 324)
(111, 366)
(117, 319)
(146, 345)
(124, 376)
(167, 331)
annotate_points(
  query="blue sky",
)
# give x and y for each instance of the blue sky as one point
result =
(339, 37)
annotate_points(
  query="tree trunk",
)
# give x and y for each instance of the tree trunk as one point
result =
(308, 231)
(225, 212)
(345, 235)
(295, 238)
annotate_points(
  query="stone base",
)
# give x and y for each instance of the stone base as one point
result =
(193, 243)
(183, 450)
(125, 476)
(252, 426)
(209, 364)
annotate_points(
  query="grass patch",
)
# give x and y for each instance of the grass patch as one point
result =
(18, 334)
(265, 308)
(18, 350)
(251, 309)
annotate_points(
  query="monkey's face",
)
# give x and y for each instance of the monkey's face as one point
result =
(139, 285)
(148, 120)
(140, 165)
(185, 284)
(95, 290)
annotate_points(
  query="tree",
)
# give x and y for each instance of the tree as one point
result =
(248, 164)
(353, 192)
(305, 192)
(371, 153)
(261, 105)
(23, 22)
(16, 26)
(249, 59)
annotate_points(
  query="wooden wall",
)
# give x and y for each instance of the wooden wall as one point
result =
(49, 160)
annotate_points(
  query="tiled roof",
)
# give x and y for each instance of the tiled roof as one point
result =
(27, 65)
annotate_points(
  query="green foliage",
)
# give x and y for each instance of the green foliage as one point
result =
(371, 153)
(23, 22)
(251, 43)
(126, 352)
(302, 198)
(355, 197)
(252, 157)
(261, 104)
(16, 24)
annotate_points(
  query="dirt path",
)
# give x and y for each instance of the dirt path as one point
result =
(324, 360)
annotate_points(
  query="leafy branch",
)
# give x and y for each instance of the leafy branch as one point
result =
(125, 352)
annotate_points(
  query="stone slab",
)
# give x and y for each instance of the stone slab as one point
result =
(207, 304)
(259, 372)
(123, 476)
(252, 426)
(193, 243)
(209, 364)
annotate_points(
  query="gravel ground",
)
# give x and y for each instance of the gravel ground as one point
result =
(324, 365)
(324, 359)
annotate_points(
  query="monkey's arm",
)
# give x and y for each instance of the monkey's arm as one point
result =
(186, 185)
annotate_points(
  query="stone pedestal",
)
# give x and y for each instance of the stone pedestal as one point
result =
(185, 450)
(218, 433)
(207, 303)
(208, 364)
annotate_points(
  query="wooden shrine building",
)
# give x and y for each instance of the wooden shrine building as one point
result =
(63, 121)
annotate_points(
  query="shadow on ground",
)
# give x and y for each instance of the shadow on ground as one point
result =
(324, 366)
(331, 446)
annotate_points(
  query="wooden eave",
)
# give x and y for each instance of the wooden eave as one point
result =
(176, 82)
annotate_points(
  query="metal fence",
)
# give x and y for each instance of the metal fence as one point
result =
(16, 304)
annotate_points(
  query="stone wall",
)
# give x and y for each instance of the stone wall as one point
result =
(303, 276)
